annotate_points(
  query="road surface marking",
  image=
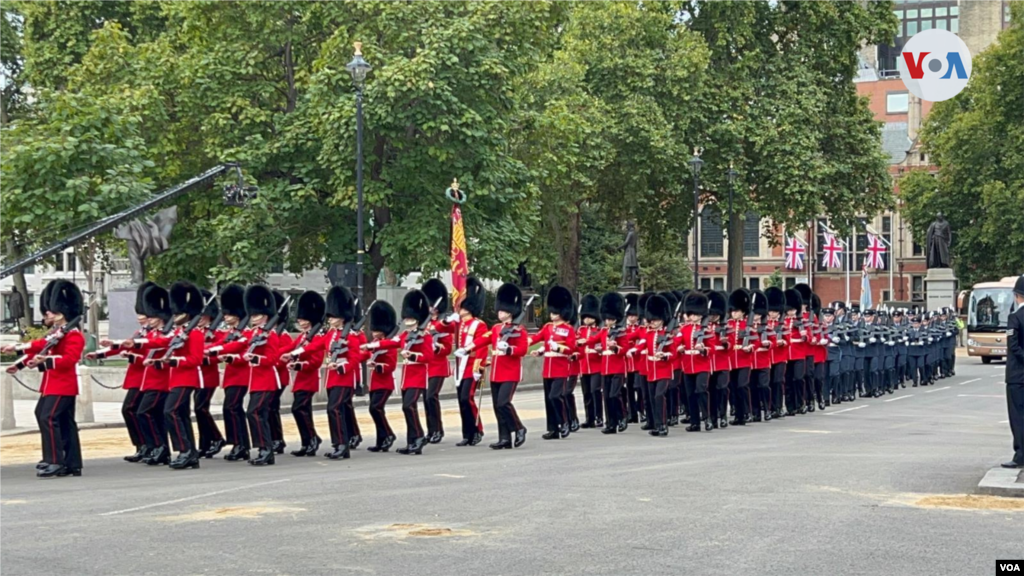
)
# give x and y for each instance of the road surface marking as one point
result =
(898, 398)
(845, 410)
(969, 381)
(196, 497)
(809, 431)
(936, 390)
(448, 476)
(1004, 421)
(980, 396)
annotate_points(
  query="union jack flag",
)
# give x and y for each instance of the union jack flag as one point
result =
(794, 254)
(875, 251)
(833, 251)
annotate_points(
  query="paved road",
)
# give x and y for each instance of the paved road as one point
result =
(838, 492)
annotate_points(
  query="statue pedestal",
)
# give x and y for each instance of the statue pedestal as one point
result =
(121, 312)
(940, 288)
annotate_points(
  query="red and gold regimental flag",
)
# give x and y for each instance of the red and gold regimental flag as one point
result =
(460, 262)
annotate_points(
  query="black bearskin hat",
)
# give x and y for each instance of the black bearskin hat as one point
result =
(591, 307)
(1018, 286)
(759, 302)
(613, 306)
(140, 308)
(340, 303)
(633, 304)
(44, 297)
(793, 300)
(259, 300)
(232, 300)
(672, 300)
(66, 299)
(156, 303)
(311, 307)
(815, 303)
(695, 303)
(415, 306)
(658, 308)
(560, 302)
(212, 309)
(382, 317)
(805, 293)
(717, 301)
(186, 299)
(642, 303)
(776, 299)
(435, 289)
(509, 299)
(475, 298)
(739, 300)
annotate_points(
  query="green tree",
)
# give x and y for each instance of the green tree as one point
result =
(68, 163)
(977, 141)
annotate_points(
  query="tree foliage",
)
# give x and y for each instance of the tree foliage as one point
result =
(977, 141)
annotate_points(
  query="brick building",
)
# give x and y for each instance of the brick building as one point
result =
(977, 22)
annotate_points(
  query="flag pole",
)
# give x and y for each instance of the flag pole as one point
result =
(849, 267)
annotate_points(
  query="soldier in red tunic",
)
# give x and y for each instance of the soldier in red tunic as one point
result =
(778, 352)
(634, 387)
(695, 348)
(382, 364)
(154, 385)
(740, 349)
(558, 342)
(62, 452)
(469, 368)
(660, 354)
(228, 351)
(284, 342)
(211, 442)
(443, 331)
(263, 355)
(590, 361)
(306, 380)
(614, 344)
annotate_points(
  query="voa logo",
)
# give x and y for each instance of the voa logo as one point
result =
(935, 65)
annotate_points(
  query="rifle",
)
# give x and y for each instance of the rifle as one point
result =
(236, 332)
(211, 330)
(750, 323)
(416, 334)
(180, 338)
(511, 331)
(619, 328)
(673, 325)
(339, 347)
(262, 336)
(52, 339)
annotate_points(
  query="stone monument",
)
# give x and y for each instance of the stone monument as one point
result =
(146, 237)
(630, 264)
(940, 283)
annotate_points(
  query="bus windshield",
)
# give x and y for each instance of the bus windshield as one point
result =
(990, 308)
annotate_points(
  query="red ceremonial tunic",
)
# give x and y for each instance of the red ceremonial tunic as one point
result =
(60, 370)
(590, 363)
(558, 341)
(469, 332)
(694, 361)
(348, 368)
(737, 356)
(307, 372)
(660, 368)
(506, 366)
(444, 342)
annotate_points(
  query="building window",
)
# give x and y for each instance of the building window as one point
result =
(886, 224)
(897, 102)
(754, 283)
(30, 269)
(790, 282)
(918, 251)
(954, 25)
(58, 266)
(752, 235)
(705, 283)
(72, 262)
(885, 296)
(719, 283)
(711, 244)
(917, 288)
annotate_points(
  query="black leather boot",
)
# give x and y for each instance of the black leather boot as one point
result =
(501, 445)
(477, 438)
(355, 441)
(340, 452)
(215, 447)
(278, 446)
(265, 458)
(139, 454)
(520, 437)
(186, 460)
(157, 456)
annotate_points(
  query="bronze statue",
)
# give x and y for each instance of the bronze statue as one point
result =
(939, 236)
(630, 265)
(147, 237)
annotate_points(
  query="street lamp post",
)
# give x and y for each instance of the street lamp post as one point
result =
(695, 165)
(730, 284)
(359, 68)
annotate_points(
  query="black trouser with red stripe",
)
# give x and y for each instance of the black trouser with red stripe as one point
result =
(658, 415)
(794, 385)
(613, 399)
(778, 385)
(634, 396)
(648, 386)
(276, 427)
(410, 402)
(234, 416)
(378, 399)
(673, 395)
(59, 431)
(554, 403)
(208, 431)
(760, 390)
(739, 390)
(302, 410)
(432, 405)
(351, 422)
(592, 405)
(697, 394)
(129, 409)
(570, 398)
(258, 414)
(468, 410)
(508, 419)
(151, 418)
(178, 418)
(338, 399)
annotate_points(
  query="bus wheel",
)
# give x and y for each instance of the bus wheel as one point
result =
(986, 359)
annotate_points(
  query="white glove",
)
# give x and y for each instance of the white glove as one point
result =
(873, 340)
(453, 317)
(552, 345)
(461, 353)
(502, 346)
(861, 345)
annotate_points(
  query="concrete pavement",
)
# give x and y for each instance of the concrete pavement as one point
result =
(873, 487)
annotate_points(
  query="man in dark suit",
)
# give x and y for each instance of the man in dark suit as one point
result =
(1015, 375)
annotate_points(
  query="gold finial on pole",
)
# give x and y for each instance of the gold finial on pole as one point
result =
(455, 184)
(359, 48)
